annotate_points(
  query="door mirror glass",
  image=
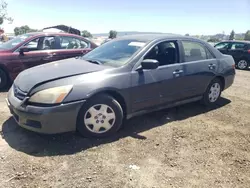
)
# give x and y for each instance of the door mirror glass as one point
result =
(149, 64)
(23, 49)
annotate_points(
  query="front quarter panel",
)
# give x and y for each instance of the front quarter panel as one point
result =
(96, 83)
(87, 85)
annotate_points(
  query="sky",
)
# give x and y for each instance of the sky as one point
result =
(196, 17)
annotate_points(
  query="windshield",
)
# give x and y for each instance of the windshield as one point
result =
(14, 42)
(114, 53)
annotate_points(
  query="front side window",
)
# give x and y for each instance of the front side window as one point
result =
(42, 43)
(238, 46)
(194, 51)
(33, 45)
(114, 53)
(165, 53)
(72, 43)
(223, 45)
(14, 42)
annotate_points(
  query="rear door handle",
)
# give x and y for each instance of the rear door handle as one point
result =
(211, 66)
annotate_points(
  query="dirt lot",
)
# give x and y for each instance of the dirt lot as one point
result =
(188, 146)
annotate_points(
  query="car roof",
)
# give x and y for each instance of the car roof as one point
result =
(241, 41)
(52, 33)
(151, 37)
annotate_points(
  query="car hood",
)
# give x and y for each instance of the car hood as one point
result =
(29, 78)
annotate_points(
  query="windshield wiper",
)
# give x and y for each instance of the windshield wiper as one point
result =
(94, 61)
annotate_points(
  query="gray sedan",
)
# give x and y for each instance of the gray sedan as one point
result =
(120, 79)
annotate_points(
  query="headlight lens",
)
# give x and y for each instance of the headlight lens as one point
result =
(51, 96)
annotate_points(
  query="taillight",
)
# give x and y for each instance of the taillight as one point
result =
(233, 66)
(248, 51)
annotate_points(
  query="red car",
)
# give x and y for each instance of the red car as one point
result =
(32, 49)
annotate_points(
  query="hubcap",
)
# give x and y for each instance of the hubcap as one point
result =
(214, 92)
(242, 64)
(99, 118)
(0, 80)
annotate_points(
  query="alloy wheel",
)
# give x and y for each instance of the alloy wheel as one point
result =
(242, 64)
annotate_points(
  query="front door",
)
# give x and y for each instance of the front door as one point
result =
(157, 87)
(223, 47)
(40, 51)
(145, 89)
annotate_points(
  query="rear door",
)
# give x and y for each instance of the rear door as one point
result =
(72, 47)
(199, 67)
(237, 50)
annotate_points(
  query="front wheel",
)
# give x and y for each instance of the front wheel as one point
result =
(213, 92)
(100, 116)
(242, 64)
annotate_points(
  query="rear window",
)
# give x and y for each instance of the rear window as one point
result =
(238, 46)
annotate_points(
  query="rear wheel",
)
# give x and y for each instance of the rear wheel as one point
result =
(3, 79)
(101, 116)
(213, 92)
(242, 64)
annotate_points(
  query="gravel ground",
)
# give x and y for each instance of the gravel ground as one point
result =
(188, 146)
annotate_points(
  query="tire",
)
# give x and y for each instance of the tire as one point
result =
(242, 64)
(3, 79)
(100, 116)
(213, 92)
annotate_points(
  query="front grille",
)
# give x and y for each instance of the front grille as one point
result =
(19, 93)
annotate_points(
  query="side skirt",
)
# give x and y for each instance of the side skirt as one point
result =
(170, 105)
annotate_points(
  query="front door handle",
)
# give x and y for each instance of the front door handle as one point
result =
(49, 56)
(177, 73)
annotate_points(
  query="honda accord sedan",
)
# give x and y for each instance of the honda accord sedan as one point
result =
(32, 49)
(125, 77)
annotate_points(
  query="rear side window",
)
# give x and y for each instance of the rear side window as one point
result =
(72, 43)
(238, 46)
(194, 51)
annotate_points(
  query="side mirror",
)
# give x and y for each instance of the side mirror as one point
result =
(149, 64)
(23, 49)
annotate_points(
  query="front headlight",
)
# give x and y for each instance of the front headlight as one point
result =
(51, 96)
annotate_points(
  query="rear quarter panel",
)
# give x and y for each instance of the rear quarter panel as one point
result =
(226, 69)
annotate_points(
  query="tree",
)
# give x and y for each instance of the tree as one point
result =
(213, 40)
(231, 37)
(3, 12)
(187, 35)
(23, 29)
(247, 35)
(112, 34)
(87, 34)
